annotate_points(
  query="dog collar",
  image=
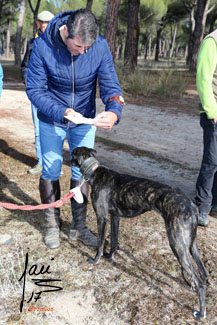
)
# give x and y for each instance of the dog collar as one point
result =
(88, 167)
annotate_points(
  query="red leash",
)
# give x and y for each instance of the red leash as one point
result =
(56, 204)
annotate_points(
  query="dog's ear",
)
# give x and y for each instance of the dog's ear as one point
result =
(74, 161)
(74, 158)
(80, 154)
(92, 152)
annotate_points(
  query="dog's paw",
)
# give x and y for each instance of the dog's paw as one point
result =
(109, 256)
(92, 260)
(193, 288)
(198, 316)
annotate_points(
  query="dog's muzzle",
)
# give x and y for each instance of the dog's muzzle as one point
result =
(88, 167)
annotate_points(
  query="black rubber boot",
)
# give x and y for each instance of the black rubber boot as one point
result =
(50, 192)
(78, 230)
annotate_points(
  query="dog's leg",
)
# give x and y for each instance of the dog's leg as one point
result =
(199, 285)
(202, 284)
(102, 227)
(201, 268)
(114, 237)
(180, 242)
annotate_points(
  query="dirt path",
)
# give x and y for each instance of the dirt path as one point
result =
(171, 143)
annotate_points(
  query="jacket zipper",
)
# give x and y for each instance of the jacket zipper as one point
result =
(72, 87)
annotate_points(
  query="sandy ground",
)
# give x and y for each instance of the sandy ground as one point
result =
(171, 141)
(167, 147)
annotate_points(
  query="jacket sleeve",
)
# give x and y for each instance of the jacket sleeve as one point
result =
(108, 82)
(25, 62)
(1, 80)
(206, 65)
(37, 86)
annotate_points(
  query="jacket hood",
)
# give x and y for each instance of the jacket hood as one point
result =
(52, 30)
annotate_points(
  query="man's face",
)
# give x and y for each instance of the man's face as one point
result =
(42, 25)
(75, 46)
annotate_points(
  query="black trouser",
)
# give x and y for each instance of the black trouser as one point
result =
(206, 186)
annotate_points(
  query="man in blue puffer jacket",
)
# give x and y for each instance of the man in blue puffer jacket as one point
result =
(62, 75)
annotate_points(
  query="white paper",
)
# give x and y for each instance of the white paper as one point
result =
(78, 195)
(79, 119)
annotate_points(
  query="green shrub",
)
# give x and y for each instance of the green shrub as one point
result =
(170, 84)
(164, 84)
(140, 84)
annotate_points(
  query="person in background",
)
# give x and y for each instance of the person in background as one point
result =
(63, 71)
(42, 21)
(1, 80)
(206, 79)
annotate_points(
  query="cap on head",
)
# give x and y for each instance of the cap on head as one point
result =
(45, 16)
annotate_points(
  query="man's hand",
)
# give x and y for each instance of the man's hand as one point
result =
(71, 113)
(215, 119)
(106, 120)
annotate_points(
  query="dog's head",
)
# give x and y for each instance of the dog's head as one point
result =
(80, 154)
(84, 158)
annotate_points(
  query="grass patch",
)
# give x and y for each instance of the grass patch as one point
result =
(164, 84)
(170, 84)
(138, 84)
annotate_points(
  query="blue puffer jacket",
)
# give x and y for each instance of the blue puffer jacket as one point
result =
(1, 80)
(57, 80)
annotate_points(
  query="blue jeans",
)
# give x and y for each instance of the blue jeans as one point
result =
(52, 139)
(37, 137)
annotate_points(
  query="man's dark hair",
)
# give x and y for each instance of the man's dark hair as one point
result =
(82, 23)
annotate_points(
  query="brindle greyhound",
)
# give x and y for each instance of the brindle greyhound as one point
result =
(122, 195)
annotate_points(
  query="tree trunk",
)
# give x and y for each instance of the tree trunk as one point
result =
(200, 22)
(190, 42)
(17, 49)
(119, 50)
(153, 51)
(112, 24)
(196, 37)
(177, 51)
(1, 46)
(212, 23)
(158, 44)
(173, 41)
(8, 42)
(89, 4)
(25, 45)
(1, 7)
(35, 14)
(149, 45)
(131, 47)
(206, 11)
(186, 51)
(163, 51)
(190, 6)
